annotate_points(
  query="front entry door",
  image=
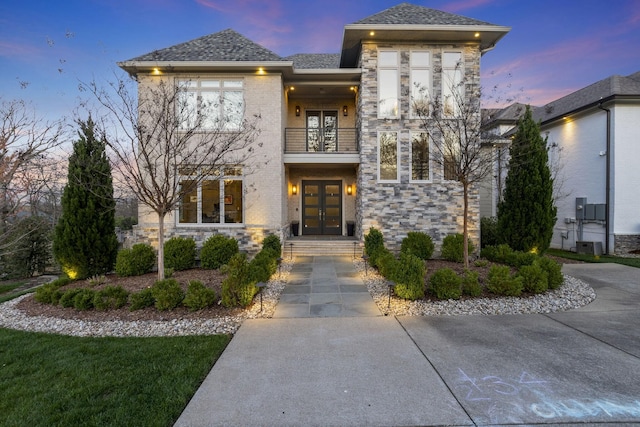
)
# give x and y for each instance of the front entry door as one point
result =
(322, 208)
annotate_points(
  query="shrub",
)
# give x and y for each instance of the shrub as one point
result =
(142, 299)
(66, 300)
(445, 284)
(238, 289)
(501, 282)
(263, 265)
(387, 263)
(518, 258)
(96, 280)
(27, 245)
(111, 297)
(499, 253)
(217, 250)
(136, 261)
(554, 272)
(180, 253)
(84, 299)
(419, 244)
(373, 244)
(470, 284)
(534, 278)
(198, 296)
(489, 231)
(409, 278)
(452, 247)
(167, 294)
(273, 244)
(50, 293)
(168, 273)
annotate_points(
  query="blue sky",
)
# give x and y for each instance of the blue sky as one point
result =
(554, 47)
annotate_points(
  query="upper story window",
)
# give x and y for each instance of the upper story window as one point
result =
(420, 83)
(388, 84)
(452, 83)
(216, 104)
(420, 170)
(218, 199)
(388, 156)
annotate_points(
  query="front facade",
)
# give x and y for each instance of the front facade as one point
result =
(342, 147)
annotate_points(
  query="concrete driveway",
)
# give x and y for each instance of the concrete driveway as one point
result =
(573, 368)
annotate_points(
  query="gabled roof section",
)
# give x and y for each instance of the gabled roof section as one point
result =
(411, 14)
(226, 45)
(411, 23)
(317, 61)
(603, 90)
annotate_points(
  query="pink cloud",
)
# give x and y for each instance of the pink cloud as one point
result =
(18, 50)
(461, 5)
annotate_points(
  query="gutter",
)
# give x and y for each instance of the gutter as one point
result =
(608, 178)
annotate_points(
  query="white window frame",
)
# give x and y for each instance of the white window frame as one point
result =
(220, 180)
(201, 88)
(419, 93)
(382, 68)
(412, 135)
(450, 76)
(397, 178)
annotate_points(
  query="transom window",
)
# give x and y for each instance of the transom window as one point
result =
(219, 199)
(211, 104)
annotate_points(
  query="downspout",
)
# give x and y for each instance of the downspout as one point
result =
(608, 178)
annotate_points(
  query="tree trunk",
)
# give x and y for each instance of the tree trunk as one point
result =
(161, 246)
(465, 226)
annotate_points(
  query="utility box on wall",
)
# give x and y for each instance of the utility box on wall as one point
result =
(589, 248)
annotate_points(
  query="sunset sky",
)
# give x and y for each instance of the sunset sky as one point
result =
(555, 46)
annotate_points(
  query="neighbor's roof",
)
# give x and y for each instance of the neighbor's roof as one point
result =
(613, 86)
(223, 46)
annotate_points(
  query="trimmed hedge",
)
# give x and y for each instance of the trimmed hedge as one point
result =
(198, 296)
(445, 284)
(453, 247)
(500, 281)
(180, 253)
(409, 277)
(238, 289)
(111, 297)
(142, 299)
(136, 261)
(167, 294)
(217, 250)
(419, 244)
(373, 244)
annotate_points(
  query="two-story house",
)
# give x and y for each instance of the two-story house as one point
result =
(342, 146)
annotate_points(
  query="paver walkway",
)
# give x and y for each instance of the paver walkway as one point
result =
(325, 286)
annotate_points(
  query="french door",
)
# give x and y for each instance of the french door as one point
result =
(322, 128)
(322, 207)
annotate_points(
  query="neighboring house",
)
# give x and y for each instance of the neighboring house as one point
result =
(339, 132)
(597, 130)
(593, 137)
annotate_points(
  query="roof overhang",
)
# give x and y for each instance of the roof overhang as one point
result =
(355, 34)
(160, 67)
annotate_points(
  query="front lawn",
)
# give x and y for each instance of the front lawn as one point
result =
(631, 262)
(54, 380)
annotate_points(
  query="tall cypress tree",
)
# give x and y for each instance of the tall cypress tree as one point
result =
(527, 213)
(85, 242)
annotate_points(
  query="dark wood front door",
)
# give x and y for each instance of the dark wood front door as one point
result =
(322, 208)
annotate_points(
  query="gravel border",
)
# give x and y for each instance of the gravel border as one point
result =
(573, 294)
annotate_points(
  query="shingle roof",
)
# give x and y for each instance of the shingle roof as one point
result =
(611, 86)
(315, 61)
(226, 45)
(410, 14)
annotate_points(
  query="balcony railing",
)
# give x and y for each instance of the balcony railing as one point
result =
(321, 140)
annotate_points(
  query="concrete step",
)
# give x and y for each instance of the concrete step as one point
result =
(299, 247)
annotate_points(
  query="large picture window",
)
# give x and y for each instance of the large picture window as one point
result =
(217, 200)
(388, 84)
(452, 84)
(420, 83)
(388, 156)
(211, 104)
(420, 170)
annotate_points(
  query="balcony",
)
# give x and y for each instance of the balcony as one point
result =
(328, 140)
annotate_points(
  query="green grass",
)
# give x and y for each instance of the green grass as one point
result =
(8, 287)
(54, 380)
(632, 262)
(6, 291)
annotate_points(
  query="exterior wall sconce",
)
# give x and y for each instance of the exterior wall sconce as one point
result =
(349, 189)
(345, 110)
(294, 189)
(297, 110)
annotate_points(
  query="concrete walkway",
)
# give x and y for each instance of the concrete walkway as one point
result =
(578, 367)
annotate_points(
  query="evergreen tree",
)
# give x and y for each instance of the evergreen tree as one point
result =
(527, 214)
(85, 242)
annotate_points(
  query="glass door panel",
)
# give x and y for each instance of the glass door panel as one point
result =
(322, 207)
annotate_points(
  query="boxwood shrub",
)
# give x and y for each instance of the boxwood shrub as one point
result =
(500, 281)
(67, 298)
(136, 261)
(453, 247)
(534, 278)
(141, 299)
(180, 253)
(238, 288)
(445, 284)
(50, 293)
(409, 278)
(167, 294)
(419, 244)
(84, 299)
(471, 284)
(554, 271)
(217, 250)
(373, 244)
(198, 296)
(111, 297)
(272, 243)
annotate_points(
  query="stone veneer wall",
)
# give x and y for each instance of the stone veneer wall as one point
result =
(625, 243)
(434, 207)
